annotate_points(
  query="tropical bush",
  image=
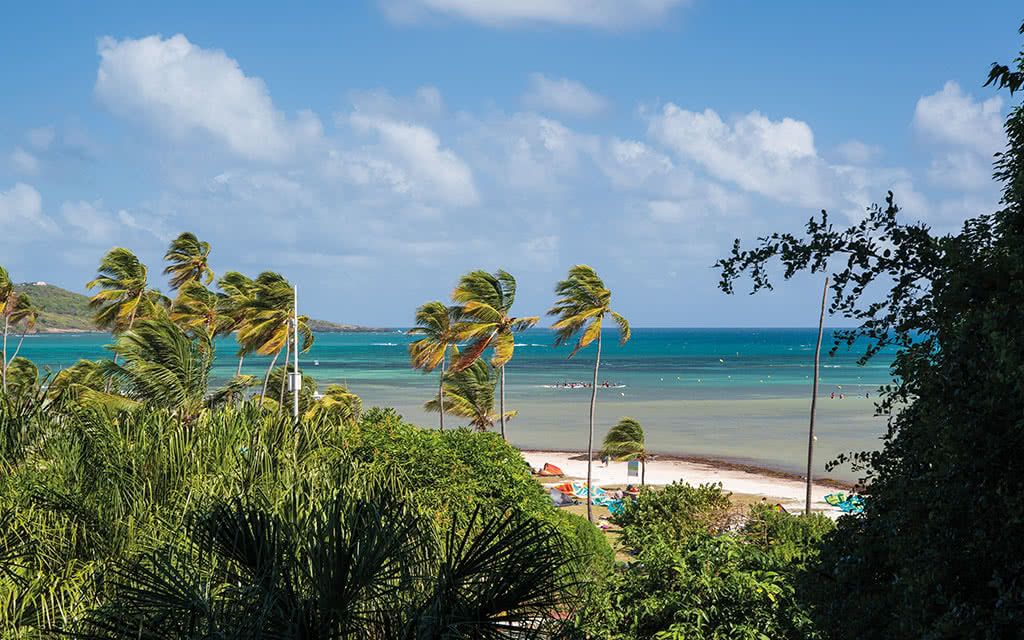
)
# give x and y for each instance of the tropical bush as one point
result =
(98, 507)
(698, 574)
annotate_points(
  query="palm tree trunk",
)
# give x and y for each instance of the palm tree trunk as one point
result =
(266, 379)
(238, 371)
(590, 439)
(3, 369)
(20, 341)
(440, 392)
(131, 323)
(501, 404)
(284, 378)
(643, 471)
(814, 401)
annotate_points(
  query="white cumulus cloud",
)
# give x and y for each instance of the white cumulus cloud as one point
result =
(427, 168)
(22, 205)
(605, 14)
(952, 117)
(775, 158)
(89, 222)
(181, 89)
(563, 96)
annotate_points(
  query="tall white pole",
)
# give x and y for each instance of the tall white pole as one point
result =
(298, 376)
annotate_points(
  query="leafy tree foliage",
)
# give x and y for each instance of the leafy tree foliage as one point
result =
(929, 557)
(699, 574)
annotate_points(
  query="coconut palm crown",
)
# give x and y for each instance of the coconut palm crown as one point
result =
(470, 394)
(239, 293)
(436, 323)
(582, 305)
(625, 442)
(198, 309)
(124, 294)
(188, 260)
(484, 309)
(266, 329)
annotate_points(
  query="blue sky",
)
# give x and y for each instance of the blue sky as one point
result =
(373, 151)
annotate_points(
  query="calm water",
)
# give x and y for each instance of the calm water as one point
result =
(735, 393)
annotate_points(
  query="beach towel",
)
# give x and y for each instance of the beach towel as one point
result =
(550, 470)
(579, 490)
(846, 504)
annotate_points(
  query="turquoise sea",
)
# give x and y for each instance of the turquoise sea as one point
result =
(738, 394)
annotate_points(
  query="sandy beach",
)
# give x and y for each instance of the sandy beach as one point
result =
(776, 488)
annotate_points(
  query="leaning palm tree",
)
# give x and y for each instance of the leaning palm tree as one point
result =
(24, 313)
(267, 329)
(469, 393)
(239, 295)
(485, 318)
(8, 300)
(163, 366)
(16, 309)
(625, 442)
(124, 294)
(580, 310)
(198, 309)
(189, 261)
(436, 323)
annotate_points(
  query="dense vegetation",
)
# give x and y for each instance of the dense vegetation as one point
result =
(110, 517)
(703, 571)
(931, 557)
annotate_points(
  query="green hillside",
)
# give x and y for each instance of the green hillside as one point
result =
(62, 310)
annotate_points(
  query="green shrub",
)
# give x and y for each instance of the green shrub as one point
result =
(87, 490)
(696, 576)
(673, 513)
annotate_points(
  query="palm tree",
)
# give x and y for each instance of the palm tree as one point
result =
(236, 303)
(361, 564)
(8, 300)
(25, 313)
(189, 261)
(625, 442)
(436, 323)
(198, 309)
(469, 393)
(337, 402)
(15, 308)
(124, 294)
(163, 367)
(267, 328)
(582, 305)
(484, 317)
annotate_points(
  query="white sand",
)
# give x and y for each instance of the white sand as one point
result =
(790, 493)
